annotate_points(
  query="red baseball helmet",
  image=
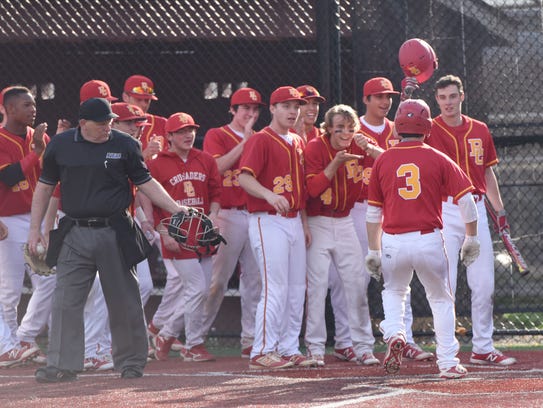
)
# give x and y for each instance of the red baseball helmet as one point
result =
(417, 59)
(413, 117)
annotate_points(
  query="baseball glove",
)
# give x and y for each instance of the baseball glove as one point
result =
(194, 231)
(37, 263)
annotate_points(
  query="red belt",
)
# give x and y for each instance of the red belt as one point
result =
(288, 214)
(333, 213)
(422, 232)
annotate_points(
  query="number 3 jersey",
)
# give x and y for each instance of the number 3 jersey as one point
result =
(408, 181)
(278, 165)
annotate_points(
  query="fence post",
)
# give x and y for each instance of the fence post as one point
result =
(329, 49)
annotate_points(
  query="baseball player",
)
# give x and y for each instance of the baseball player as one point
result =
(468, 142)
(192, 178)
(139, 90)
(374, 124)
(305, 127)
(404, 223)
(273, 176)
(334, 172)
(21, 148)
(225, 144)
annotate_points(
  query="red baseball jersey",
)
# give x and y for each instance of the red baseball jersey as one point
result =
(335, 197)
(386, 139)
(408, 182)
(17, 199)
(312, 134)
(469, 145)
(194, 183)
(277, 165)
(156, 125)
(218, 142)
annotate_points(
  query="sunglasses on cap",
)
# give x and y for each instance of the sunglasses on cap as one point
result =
(143, 91)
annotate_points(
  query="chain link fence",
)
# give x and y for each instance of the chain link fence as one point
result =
(200, 51)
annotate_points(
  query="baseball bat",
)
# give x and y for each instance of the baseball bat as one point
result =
(514, 252)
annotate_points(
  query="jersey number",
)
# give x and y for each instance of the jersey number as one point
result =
(282, 184)
(412, 181)
(231, 178)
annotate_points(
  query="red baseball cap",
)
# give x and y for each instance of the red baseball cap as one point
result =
(310, 92)
(285, 94)
(179, 121)
(95, 89)
(378, 85)
(246, 96)
(141, 87)
(129, 112)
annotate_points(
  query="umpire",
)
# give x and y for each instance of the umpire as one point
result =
(94, 165)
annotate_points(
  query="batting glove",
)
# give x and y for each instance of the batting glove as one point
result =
(470, 249)
(501, 223)
(373, 264)
(409, 85)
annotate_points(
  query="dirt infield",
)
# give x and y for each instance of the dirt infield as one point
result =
(228, 382)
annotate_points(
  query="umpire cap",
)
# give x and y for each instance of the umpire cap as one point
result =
(97, 110)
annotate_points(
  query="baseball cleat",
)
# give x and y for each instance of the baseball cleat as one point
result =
(177, 345)
(367, 359)
(299, 360)
(98, 363)
(393, 356)
(413, 351)
(270, 361)
(246, 352)
(495, 357)
(345, 354)
(54, 375)
(197, 353)
(458, 371)
(162, 347)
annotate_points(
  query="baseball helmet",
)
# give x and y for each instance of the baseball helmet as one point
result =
(417, 59)
(413, 117)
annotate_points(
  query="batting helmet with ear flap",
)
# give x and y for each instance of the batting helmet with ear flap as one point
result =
(417, 59)
(413, 117)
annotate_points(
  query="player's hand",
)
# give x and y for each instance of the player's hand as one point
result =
(153, 147)
(373, 264)
(3, 231)
(248, 129)
(170, 244)
(63, 125)
(35, 238)
(501, 224)
(148, 231)
(278, 202)
(342, 156)
(470, 249)
(38, 144)
(409, 85)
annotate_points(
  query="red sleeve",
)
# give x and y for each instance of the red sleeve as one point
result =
(315, 163)
(215, 184)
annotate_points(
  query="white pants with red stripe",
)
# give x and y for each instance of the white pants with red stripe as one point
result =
(279, 247)
(334, 241)
(195, 278)
(480, 273)
(234, 227)
(12, 272)
(425, 253)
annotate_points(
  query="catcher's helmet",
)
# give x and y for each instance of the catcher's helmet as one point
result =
(417, 59)
(413, 117)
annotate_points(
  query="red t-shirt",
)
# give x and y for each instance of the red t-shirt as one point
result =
(17, 199)
(194, 183)
(408, 182)
(337, 196)
(469, 145)
(218, 142)
(277, 165)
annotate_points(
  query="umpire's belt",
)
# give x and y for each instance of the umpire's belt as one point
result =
(94, 222)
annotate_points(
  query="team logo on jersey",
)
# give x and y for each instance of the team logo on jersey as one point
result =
(113, 156)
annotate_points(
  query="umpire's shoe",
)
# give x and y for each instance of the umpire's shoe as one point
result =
(54, 375)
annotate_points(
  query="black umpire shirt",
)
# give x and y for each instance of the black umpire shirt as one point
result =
(94, 177)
